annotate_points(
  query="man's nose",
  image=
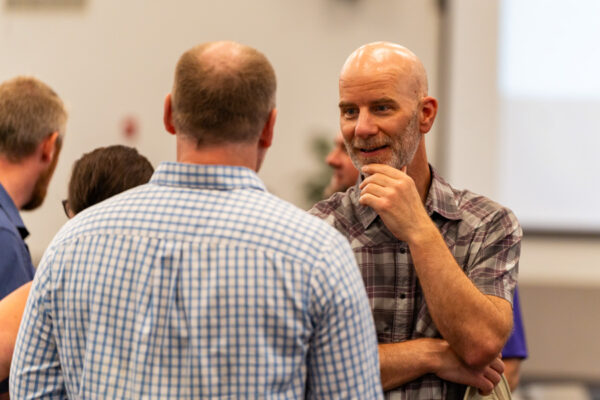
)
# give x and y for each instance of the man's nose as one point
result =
(365, 125)
(332, 158)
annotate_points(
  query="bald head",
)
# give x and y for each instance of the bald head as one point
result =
(223, 92)
(387, 59)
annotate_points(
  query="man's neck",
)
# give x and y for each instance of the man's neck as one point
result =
(235, 154)
(419, 171)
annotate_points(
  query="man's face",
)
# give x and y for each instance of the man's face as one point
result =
(345, 173)
(379, 116)
(40, 189)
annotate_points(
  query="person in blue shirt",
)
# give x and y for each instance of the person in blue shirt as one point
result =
(32, 124)
(200, 283)
(344, 175)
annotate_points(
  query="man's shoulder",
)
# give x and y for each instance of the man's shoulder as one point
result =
(463, 204)
(339, 204)
(302, 222)
(10, 239)
(478, 209)
(353, 220)
(5, 223)
(190, 215)
(8, 235)
(15, 264)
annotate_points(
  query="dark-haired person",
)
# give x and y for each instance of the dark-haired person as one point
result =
(104, 172)
(96, 176)
(201, 284)
(32, 123)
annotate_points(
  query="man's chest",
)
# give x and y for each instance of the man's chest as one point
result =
(391, 281)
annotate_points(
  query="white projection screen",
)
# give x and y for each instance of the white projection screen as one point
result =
(549, 86)
(524, 112)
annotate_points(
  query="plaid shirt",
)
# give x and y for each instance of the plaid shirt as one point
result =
(199, 284)
(483, 236)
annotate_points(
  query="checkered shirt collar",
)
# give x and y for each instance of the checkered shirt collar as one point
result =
(201, 176)
(440, 199)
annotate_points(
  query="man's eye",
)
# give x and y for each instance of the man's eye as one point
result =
(349, 112)
(381, 108)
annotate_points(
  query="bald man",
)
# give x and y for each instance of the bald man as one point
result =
(439, 264)
(201, 284)
(345, 175)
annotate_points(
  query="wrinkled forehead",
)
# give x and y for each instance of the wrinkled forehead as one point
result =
(377, 83)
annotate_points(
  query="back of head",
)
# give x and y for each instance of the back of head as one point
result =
(223, 93)
(105, 172)
(29, 111)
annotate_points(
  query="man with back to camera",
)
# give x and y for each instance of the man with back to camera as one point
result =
(439, 264)
(32, 124)
(201, 284)
(345, 175)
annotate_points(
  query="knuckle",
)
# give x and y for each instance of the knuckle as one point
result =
(488, 387)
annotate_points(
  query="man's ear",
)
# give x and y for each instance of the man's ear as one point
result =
(266, 136)
(168, 115)
(429, 106)
(49, 147)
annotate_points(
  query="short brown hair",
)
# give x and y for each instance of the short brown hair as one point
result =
(29, 111)
(105, 172)
(225, 97)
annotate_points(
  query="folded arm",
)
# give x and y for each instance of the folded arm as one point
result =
(404, 362)
(475, 325)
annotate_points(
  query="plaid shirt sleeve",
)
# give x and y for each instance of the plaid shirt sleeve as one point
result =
(343, 361)
(495, 257)
(35, 368)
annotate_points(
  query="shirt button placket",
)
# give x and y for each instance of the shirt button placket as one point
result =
(402, 323)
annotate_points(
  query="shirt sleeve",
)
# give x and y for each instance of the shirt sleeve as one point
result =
(343, 360)
(35, 371)
(15, 263)
(496, 248)
(516, 346)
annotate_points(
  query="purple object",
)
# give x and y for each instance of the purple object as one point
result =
(516, 346)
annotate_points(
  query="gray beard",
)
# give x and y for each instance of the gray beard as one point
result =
(403, 150)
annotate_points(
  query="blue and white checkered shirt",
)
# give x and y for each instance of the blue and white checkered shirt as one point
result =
(199, 284)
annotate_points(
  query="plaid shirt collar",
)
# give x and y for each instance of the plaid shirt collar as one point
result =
(440, 200)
